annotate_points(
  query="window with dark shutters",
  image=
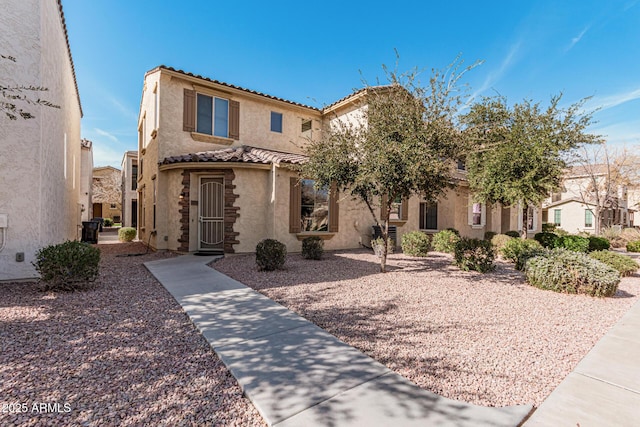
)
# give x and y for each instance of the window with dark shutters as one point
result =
(189, 111)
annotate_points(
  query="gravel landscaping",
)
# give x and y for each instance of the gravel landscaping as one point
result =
(122, 353)
(486, 339)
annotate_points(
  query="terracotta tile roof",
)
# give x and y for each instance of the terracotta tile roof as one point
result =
(175, 70)
(242, 154)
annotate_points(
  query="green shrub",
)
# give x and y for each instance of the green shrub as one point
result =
(513, 233)
(270, 254)
(519, 251)
(416, 243)
(598, 244)
(625, 265)
(499, 240)
(69, 266)
(546, 239)
(562, 270)
(108, 222)
(312, 247)
(453, 230)
(474, 254)
(633, 246)
(573, 243)
(126, 234)
(548, 227)
(488, 235)
(445, 241)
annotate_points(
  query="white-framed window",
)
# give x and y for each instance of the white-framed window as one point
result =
(477, 214)
(588, 218)
(532, 218)
(276, 122)
(557, 217)
(212, 115)
(112, 206)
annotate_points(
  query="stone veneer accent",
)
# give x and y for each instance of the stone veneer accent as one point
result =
(230, 211)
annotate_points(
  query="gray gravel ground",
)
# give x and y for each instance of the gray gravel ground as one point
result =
(486, 339)
(123, 354)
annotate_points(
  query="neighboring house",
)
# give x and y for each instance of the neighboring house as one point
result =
(585, 192)
(216, 173)
(86, 179)
(633, 202)
(107, 193)
(130, 189)
(40, 164)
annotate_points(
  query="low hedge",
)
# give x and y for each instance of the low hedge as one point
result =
(126, 234)
(416, 243)
(68, 266)
(598, 244)
(270, 255)
(499, 240)
(513, 233)
(546, 239)
(625, 265)
(572, 243)
(474, 254)
(445, 241)
(633, 246)
(312, 247)
(563, 270)
(519, 251)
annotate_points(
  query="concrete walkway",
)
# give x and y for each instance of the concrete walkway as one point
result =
(297, 374)
(604, 389)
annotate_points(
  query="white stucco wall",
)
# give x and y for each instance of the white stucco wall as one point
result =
(39, 173)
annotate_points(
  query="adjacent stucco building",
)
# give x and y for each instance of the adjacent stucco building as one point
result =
(40, 165)
(216, 172)
(130, 189)
(107, 193)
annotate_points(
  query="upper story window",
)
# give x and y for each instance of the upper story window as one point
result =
(306, 126)
(462, 166)
(276, 122)
(212, 116)
(134, 177)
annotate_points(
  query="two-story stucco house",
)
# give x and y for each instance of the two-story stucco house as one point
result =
(40, 164)
(130, 189)
(216, 173)
(585, 190)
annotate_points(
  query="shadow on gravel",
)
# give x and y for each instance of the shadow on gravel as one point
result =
(121, 353)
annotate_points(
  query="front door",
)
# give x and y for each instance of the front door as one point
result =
(211, 214)
(97, 210)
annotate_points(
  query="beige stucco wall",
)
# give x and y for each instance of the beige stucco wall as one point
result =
(129, 159)
(86, 181)
(572, 216)
(35, 157)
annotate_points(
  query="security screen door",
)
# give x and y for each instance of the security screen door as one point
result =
(211, 215)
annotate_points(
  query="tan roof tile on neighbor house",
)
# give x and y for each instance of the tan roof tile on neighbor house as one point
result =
(242, 154)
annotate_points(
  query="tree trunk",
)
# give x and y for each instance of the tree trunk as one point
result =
(525, 222)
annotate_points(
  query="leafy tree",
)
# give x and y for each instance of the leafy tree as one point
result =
(401, 142)
(11, 96)
(520, 151)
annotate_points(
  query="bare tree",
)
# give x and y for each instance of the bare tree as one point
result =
(107, 189)
(601, 176)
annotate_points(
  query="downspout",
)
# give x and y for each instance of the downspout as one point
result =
(273, 200)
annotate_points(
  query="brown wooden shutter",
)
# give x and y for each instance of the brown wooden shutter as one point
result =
(189, 111)
(334, 212)
(234, 119)
(383, 210)
(404, 210)
(295, 205)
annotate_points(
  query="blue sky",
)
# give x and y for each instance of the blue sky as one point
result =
(317, 52)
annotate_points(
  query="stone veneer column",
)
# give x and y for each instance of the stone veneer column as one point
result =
(230, 211)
